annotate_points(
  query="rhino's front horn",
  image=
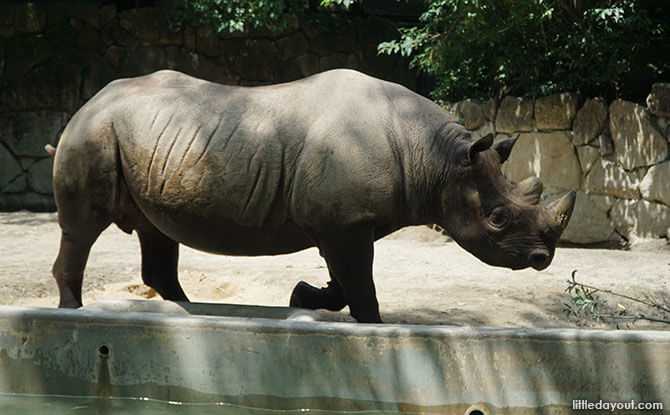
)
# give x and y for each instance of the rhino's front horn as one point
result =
(529, 190)
(560, 211)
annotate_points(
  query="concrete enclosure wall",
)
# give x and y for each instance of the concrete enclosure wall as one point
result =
(615, 155)
(325, 366)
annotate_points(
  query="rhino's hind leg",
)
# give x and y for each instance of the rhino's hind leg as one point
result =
(81, 224)
(349, 257)
(68, 270)
(160, 256)
(330, 297)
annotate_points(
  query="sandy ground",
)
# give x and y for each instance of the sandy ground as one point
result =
(420, 276)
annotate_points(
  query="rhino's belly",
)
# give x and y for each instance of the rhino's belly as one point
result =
(223, 236)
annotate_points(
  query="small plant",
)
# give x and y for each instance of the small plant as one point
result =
(587, 302)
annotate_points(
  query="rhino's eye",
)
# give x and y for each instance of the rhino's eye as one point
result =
(499, 217)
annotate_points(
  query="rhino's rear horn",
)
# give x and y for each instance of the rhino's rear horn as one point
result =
(560, 211)
(529, 191)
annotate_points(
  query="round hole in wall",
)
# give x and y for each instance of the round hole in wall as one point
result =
(104, 350)
(477, 410)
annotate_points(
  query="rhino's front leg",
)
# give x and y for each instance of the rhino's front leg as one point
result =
(160, 256)
(349, 257)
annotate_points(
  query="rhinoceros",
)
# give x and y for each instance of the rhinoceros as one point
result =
(336, 160)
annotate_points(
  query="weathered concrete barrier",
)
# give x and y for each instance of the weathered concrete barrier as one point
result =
(280, 363)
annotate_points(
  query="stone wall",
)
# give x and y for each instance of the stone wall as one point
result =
(616, 155)
(56, 55)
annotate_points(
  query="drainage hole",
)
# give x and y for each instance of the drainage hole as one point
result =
(104, 350)
(477, 409)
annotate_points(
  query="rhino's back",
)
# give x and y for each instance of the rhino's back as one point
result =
(313, 153)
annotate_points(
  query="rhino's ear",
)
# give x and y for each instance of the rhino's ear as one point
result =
(504, 147)
(480, 145)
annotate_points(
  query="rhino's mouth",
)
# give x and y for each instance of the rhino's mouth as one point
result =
(539, 259)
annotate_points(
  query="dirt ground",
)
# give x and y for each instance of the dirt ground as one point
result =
(420, 276)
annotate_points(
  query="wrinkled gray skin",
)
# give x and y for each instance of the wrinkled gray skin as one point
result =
(336, 160)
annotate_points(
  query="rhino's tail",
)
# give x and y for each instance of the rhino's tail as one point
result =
(50, 149)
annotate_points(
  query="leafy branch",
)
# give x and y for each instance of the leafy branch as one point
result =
(587, 301)
(229, 16)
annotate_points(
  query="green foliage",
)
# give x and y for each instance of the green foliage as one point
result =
(491, 48)
(344, 3)
(226, 16)
(483, 48)
(585, 302)
(235, 15)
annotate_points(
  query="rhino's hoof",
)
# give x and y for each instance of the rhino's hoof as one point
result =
(304, 296)
(296, 294)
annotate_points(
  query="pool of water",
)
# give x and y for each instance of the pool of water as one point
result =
(18, 404)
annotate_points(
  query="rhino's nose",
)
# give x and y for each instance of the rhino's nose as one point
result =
(539, 259)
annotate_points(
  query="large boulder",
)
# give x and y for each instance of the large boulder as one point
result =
(74, 13)
(40, 176)
(590, 121)
(555, 112)
(637, 142)
(54, 86)
(608, 178)
(30, 17)
(293, 69)
(487, 128)
(658, 101)
(587, 157)
(292, 45)
(471, 113)
(10, 169)
(590, 223)
(26, 133)
(656, 183)
(515, 114)
(640, 219)
(200, 66)
(605, 144)
(206, 41)
(251, 59)
(136, 60)
(6, 18)
(151, 25)
(490, 109)
(327, 43)
(33, 202)
(99, 73)
(24, 53)
(549, 156)
(107, 14)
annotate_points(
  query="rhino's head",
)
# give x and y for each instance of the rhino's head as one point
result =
(501, 223)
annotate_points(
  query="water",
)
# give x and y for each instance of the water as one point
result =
(16, 404)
